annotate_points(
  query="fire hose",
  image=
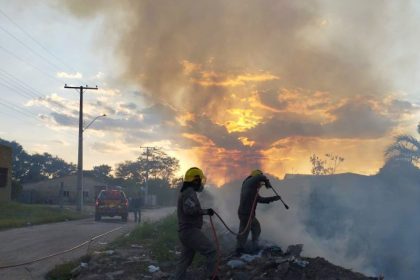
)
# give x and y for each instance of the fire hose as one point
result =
(254, 204)
(216, 240)
(61, 252)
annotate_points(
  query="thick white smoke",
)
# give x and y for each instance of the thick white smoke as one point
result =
(365, 223)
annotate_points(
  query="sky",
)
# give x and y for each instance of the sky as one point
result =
(228, 86)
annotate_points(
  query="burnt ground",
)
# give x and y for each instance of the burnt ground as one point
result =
(136, 262)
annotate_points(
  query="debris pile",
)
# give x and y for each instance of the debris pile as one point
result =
(271, 262)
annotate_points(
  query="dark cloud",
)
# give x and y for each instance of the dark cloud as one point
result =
(270, 98)
(282, 126)
(358, 120)
(218, 134)
(56, 105)
(64, 120)
(354, 119)
(157, 114)
(103, 147)
(402, 106)
(130, 106)
(104, 107)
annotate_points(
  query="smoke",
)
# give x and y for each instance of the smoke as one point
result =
(253, 83)
(240, 76)
(364, 223)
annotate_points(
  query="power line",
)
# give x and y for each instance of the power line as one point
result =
(30, 49)
(15, 88)
(17, 109)
(7, 85)
(20, 110)
(14, 116)
(29, 64)
(35, 93)
(3, 112)
(36, 41)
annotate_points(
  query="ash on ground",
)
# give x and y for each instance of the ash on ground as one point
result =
(271, 262)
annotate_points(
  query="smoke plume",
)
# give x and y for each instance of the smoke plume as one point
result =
(255, 83)
(242, 76)
(364, 223)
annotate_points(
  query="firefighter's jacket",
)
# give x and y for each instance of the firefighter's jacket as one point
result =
(248, 192)
(189, 211)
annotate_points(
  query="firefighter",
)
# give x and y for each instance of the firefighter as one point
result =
(190, 220)
(249, 191)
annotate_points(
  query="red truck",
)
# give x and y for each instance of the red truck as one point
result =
(111, 202)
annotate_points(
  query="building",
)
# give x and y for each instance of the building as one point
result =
(5, 173)
(48, 191)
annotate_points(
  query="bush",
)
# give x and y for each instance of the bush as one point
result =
(161, 237)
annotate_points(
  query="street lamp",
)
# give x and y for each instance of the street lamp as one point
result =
(86, 127)
(80, 163)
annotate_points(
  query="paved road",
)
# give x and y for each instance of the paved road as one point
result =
(25, 244)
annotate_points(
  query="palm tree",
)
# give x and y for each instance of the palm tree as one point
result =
(405, 148)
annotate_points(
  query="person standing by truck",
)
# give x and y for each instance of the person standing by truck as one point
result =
(136, 203)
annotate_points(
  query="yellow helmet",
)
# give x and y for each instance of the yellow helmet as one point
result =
(256, 172)
(193, 173)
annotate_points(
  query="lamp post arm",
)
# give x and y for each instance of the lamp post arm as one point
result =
(86, 127)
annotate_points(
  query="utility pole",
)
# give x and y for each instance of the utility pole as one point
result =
(80, 149)
(146, 192)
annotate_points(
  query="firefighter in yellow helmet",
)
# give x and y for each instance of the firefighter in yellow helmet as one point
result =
(249, 191)
(190, 220)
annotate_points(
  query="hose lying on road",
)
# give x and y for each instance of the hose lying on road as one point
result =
(60, 253)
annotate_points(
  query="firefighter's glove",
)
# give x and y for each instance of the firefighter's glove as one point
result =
(209, 212)
(268, 184)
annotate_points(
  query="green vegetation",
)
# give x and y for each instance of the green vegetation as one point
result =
(13, 214)
(160, 237)
(63, 271)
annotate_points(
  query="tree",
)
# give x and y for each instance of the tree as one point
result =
(46, 166)
(161, 169)
(130, 171)
(31, 168)
(326, 166)
(20, 163)
(16, 189)
(102, 171)
(405, 148)
(402, 160)
(159, 165)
